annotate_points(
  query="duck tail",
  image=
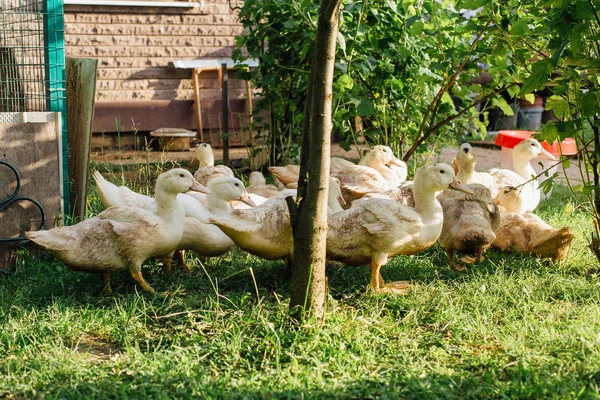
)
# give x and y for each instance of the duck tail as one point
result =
(47, 240)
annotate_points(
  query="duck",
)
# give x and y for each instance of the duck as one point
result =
(207, 169)
(286, 175)
(203, 237)
(121, 237)
(373, 230)
(382, 159)
(266, 230)
(257, 184)
(464, 166)
(469, 223)
(335, 199)
(529, 192)
(199, 236)
(527, 233)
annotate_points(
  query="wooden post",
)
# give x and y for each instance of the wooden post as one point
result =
(197, 106)
(225, 114)
(81, 96)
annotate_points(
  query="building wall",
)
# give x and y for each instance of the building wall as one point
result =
(135, 46)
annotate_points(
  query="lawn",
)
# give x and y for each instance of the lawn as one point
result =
(512, 327)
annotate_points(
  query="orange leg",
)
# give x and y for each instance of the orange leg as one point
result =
(137, 276)
(180, 256)
(106, 283)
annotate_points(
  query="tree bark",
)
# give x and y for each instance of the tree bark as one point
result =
(309, 212)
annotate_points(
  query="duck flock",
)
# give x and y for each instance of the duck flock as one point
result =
(374, 213)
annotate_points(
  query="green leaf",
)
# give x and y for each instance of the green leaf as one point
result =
(447, 99)
(345, 82)
(559, 106)
(417, 28)
(520, 28)
(589, 104)
(530, 97)
(341, 42)
(503, 105)
(513, 91)
(365, 108)
(540, 71)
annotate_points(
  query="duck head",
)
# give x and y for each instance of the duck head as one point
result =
(529, 149)
(256, 178)
(229, 189)
(439, 177)
(179, 180)
(204, 154)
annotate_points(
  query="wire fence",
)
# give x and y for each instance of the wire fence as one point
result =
(30, 30)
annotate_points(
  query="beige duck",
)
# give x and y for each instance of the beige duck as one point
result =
(469, 223)
(257, 184)
(122, 238)
(373, 230)
(382, 159)
(527, 233)
(199, 236)
(202, 237)
(287, 175)
(207, 168)
(266, 230)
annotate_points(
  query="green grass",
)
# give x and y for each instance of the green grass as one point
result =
(512, 327)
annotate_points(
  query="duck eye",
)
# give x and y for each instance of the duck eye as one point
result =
(236, 184)
(203, 144)
(442, 171)
(181, 176)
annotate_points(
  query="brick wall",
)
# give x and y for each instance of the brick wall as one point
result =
(134, 46)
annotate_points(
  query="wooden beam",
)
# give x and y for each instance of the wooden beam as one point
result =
(81, 96)
(197, 106)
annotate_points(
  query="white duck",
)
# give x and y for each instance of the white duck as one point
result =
(383, 160)
(122, 238)
(207, 168)
(257, 184)
(373, 230)
(203, 237)
(528, 193)
(265, 230)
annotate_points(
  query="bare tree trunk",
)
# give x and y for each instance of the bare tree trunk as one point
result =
(309, 213)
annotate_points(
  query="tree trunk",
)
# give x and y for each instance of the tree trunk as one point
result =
(309, 213)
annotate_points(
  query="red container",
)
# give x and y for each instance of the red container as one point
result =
(509, 139)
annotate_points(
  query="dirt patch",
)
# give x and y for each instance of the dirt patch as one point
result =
(94, 348)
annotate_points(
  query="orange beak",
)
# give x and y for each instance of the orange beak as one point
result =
(456, 185)
(197, 187)
(547, 154)
(247, 199)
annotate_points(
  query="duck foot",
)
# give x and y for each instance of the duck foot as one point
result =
(457, 267)
(398, 287)
(471, 260)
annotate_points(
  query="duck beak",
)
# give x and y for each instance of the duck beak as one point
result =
(341, 201)
(397, 162)
(457, 185)
(197, 187)
(247, 199)
(547, 154)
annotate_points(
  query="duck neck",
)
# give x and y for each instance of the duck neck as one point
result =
(166, 203)
(217, 205)
(523, 167)
(377, 165)
(426, 203)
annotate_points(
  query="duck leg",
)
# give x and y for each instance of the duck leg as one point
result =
(167, 262)
(377, 283)
(136, 274)
(106, 283)
(180, 256)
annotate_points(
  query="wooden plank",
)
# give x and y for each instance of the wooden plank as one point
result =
(33, 149)
(81, 92)
(12, 96)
